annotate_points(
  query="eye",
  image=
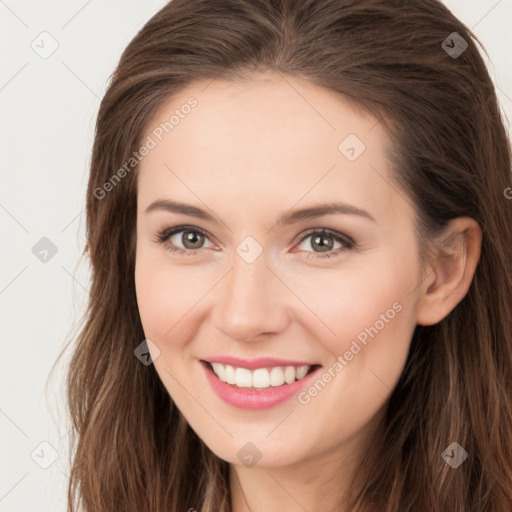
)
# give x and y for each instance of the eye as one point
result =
(324, 240)
(191, 238)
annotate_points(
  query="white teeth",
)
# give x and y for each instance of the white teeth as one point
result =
(289, 374)
(230, 374)
(276, 376)
(220, 371)
(260, 378)
(301, 371)
(243, 378)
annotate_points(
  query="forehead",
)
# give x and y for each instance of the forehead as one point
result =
(267, 137)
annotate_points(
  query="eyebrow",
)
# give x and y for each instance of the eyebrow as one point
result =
(291, 217)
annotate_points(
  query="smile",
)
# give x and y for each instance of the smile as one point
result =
(260, 378)
(259, 388)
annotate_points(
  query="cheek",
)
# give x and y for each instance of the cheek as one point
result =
(340, 304)
(165, 294)
(371, 319)
(165, 308)
(367, 309)
(157, 298)
(150, 292)
(364, 318)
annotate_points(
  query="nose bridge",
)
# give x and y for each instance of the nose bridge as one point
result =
(250, 302)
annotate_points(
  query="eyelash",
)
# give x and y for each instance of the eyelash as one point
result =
(349, 244)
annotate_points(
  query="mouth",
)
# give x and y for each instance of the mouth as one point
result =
(259, 379)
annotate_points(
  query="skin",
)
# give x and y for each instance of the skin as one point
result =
(250, 152)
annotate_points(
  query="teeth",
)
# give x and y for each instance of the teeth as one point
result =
(220, 371)
(243, 378)
(302, 370)
(260, 378)
(277, 376)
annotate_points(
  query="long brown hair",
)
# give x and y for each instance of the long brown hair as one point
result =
(132, 448)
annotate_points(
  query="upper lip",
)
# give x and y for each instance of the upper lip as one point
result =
(252, 364)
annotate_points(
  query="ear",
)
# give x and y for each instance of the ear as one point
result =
(452, 271)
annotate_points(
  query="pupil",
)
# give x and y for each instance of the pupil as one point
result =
(319, 240)
(192, 237)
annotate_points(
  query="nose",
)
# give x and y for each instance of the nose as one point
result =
(251, 301)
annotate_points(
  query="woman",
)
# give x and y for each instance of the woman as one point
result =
(301, 278)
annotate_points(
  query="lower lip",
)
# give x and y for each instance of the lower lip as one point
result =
(245, 398)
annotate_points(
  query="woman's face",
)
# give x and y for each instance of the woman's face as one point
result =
(251, 278)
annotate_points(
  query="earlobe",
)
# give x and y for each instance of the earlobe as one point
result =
(452, 271)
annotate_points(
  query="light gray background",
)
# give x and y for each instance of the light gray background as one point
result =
(48, 114)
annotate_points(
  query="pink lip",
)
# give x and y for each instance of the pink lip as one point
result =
(253, 364)
(245, 398)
